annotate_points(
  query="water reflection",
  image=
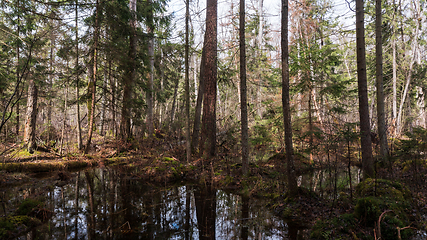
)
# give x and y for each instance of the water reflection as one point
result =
(105, 204)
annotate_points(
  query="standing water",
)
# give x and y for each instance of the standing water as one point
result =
(105, 204)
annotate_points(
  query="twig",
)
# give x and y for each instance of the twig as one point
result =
(398, 231)
(379, 223)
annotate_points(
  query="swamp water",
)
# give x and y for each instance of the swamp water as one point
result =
(105, 204)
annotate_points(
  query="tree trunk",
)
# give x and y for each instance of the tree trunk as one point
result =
(125, 124)
(77, 69)
(113, 99)
(65, 114)
(367, 161)
(292, 182)
(149, 94)
(259, 41)
(208, 141)
(17, 69)
(187, 80)
(50, 83)
(31, 117)
(175, 95)
(394, 64)
(243, 94)
(382, 129)
(93, 81)
(198, 110)
(104, 103)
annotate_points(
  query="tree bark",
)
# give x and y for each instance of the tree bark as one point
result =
(394, 65)
(17, 69)
(64, 122)
(175, 95)
(187, 81)
(149, 93)
(104, 103)
(92, 85)
(208, 141)
(77, 70)
(292, 182)
(243, 94)
(113, 99)
(259, 53)
(198, 110)
(382, 129)
(367, 161)
(31, 117)
(125, 125)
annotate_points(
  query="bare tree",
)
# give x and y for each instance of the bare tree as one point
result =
(198, 110)
(208, 140)
(365, 128)
(292, 182)
(382, 129)
(187, 80)
(92, 84)
(243, 94)
(77, 68)
(149, 93)
(125, 128)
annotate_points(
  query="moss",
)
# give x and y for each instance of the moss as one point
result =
(76, 164)
(10, 167)
(380, 196)
(11, 226)
(341, 227)
(22, 153)
(368, 210)
(43, 166)
(375, 197)
(27, 206)
(389, 228)
(115, 160)
(383, 188)
(170, 160)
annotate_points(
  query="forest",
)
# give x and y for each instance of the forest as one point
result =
(168, 119)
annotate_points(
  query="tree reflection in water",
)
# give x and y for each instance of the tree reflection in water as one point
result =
(106, 204)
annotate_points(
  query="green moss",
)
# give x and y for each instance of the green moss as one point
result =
(22, 153)
(27, 206)
(43, 166)
(115, 160)
(170, 160)
(384, 189)
(78, 164)
(10, 226)
(368, 210)
(389, 228)
(10, 167)
(341, 227)
(382, 195)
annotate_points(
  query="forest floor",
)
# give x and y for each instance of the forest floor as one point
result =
(350, 213)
